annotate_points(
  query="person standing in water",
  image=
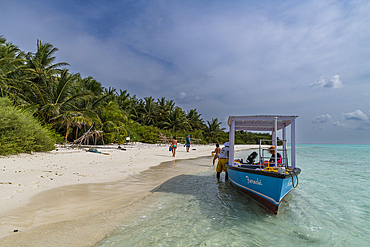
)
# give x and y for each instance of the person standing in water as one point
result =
(216, 153)
(222, 160)
(187, 143)
(174, 146)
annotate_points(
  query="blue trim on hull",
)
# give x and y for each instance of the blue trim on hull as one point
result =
(268, 190)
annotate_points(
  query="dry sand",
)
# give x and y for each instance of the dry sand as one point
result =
(70, 197)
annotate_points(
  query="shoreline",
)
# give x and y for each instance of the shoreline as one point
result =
(73, 185)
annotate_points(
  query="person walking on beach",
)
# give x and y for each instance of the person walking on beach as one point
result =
(174, 146)
(216, 153)
(222, 160)
(187, 143)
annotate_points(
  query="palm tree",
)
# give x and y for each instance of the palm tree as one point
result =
(75, 120)
(112, 122)
(41, 63)
(149, 111)
(194, 119)
(212, 131)
(60, 97)
(11, 60)
(89, 83)
(176, 120)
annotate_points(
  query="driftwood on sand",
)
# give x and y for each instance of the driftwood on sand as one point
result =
(87, 136)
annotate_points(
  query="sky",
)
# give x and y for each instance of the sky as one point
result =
(222, 58)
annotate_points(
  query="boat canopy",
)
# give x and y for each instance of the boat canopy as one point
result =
(261, 123)
(271, 123)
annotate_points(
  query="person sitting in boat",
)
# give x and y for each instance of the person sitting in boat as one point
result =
(272, 158)
(222, 160)
(216, 153)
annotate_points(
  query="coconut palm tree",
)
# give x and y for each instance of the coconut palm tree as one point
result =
(112, 122)
(176, 120)
(194, 119)
(89, 83)
(60, 96)
(212, 131)
(41, 63)
(149, 111)
(11, 60)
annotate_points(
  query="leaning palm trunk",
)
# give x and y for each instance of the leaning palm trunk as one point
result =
(87, 136)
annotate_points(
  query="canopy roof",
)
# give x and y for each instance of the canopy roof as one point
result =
(260, 122)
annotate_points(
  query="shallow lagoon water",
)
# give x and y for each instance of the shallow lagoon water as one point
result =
(330, 207)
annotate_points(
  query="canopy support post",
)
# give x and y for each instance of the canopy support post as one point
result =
(293, 142)
(285, 155)
(275, 139)
(231, 142)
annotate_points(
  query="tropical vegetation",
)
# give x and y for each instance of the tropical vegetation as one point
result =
(21, 132)
(70, 106)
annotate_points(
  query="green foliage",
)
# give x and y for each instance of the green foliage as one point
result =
(213, 132)
(70, 105)
(112, 122)
(21, 132)
(148, 134)
(244, 137)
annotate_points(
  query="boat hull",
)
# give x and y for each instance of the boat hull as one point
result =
(268, 188)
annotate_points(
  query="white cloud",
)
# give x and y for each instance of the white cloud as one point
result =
(321, 119)
(188, 97)
(356, 115)
(334, 83)
(337, 123)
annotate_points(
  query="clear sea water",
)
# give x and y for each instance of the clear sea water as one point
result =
(330, 207)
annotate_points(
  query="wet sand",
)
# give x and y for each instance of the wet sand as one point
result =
(96, 194)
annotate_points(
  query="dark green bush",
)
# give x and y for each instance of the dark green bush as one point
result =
(147, 134)
(21, 132)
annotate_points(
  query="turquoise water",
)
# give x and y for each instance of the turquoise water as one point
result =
(330, 207)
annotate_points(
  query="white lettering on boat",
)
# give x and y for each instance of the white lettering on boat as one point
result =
(288, 184)
(251, 181)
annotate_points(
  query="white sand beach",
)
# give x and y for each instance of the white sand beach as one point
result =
(67, 188)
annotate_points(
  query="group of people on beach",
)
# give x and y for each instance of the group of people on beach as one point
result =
(222, 154)
(174, 145)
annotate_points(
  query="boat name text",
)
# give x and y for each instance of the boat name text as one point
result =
(251, 181)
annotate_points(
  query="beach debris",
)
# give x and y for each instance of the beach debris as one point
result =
(15, 230)
(94, 150)
(5, 182)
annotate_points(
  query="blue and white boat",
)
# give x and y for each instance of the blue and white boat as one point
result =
(263, 181)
